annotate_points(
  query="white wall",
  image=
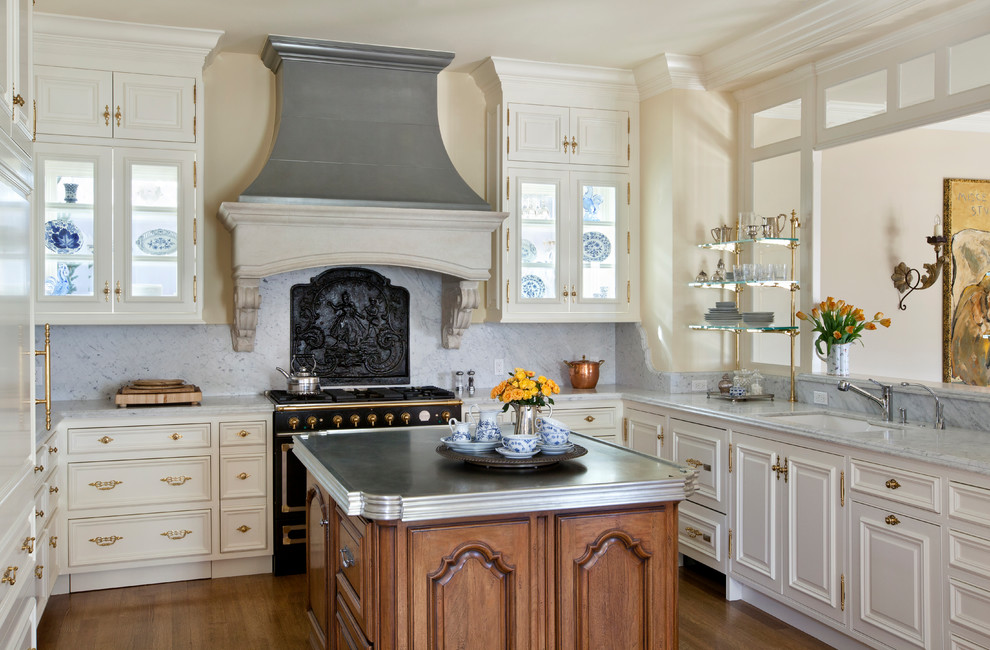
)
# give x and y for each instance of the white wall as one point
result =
(879, 200)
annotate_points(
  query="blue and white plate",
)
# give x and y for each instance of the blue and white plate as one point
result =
(471, 446)
(528, 251)
(597, 247)
(533, 287)
(508, 453)
(591, 203)
(62, 236)
(556, 450)
(158, 242)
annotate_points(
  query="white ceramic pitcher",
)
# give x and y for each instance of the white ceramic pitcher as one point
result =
(487, 428)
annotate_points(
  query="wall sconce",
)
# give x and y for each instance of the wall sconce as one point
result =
(907, 279)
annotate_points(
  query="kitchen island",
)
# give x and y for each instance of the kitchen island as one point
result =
(408, 549)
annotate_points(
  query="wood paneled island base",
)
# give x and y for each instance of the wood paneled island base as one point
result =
(596, 578)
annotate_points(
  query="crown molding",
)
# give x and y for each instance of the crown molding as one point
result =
(667, 72)
(499, 73)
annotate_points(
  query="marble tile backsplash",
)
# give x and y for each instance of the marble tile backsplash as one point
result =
(92, 362)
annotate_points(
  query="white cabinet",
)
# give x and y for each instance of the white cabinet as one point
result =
(563, 162)
(558, 134)
(787, 524)
(599, 419)
(16, 96)
(106, 104)
(118, 236)
(646, 431)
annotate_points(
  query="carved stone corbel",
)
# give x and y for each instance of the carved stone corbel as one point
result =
(247, 300)
(459, 299)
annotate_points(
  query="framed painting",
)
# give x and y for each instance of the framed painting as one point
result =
(966, 282)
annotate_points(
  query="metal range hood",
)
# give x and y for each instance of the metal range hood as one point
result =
(358, 174)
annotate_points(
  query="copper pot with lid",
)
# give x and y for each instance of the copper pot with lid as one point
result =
(584, 373)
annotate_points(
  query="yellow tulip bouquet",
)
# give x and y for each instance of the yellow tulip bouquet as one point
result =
(837, 321)
(523, 390)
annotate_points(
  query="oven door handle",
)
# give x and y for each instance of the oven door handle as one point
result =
(286, 448)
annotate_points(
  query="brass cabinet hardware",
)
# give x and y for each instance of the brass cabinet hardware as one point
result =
(53, 450)
(628, 193)
(628, 152)
(243, 476)
(565, 291)
(729, 553)
(39, 571)
(891, 520)
(195, 288)
(695, 463)
(243, 433)
(573, 145)
(842, 592)
(842, 489)
(625, 431)
(775, 468)
(694, 532)
(243, 528)
(194, 177)
(106, 541)
(106, 291)
(10, 576)
(39, 468)
(176, 534)
(628, 125)
(507, 143)
(53, 489)
(293, 422)
(194, 132)
(507, 292)
(28, 544)
(574, 293)
(311, 422)
(287, 530)
(118, 291)
(355, 419)
(195, 223)
(346, 557)
(892, 484)
(118, 115)
(566, 144)
(589, 418)
(628, 242)
(175, 436)
(730, 458)
(53, 542)
(105, 485)
(784, 470)
(660, 436)
(506, 186)
(506, 240)
(39, 513)
(507, 115)
(106, 440)
(176, 480)
(106, 114)
(337, 420)
(47, 353)
(18, 100)
(628, 291)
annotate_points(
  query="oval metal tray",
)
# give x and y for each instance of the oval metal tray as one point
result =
(494, 459)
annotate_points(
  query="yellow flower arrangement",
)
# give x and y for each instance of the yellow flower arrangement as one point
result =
(839, 322)
(522, 389)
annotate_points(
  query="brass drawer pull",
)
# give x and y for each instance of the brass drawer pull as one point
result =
(176, 534)
(176, 480)
(39, 513)
(892, 484)
(10, 575)
(28, 544)
(53, 450)
(346, 558)
(891, 520)
(243, 433)
(39, 571)
(694, 532)
(106, 114)
(243, 476)
(53, 542)
(589, 418)
(105, 485)
(243, 528)
(175, 436)
(695, 463)
(53, 489)
(118, 115)
(39, 468)
(106, 541)
(106, 440)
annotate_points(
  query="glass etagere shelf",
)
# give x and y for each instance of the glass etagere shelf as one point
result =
(743, 327)
(735, 285)
(731, 245)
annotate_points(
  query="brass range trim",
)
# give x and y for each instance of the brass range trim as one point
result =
(330, 406)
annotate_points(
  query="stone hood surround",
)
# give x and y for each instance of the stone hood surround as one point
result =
(358, 175)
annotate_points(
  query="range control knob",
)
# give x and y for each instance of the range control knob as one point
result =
(389, 418)
(311, 422)
(293, 422)
(355, 419)
(405, 417)
(372, 419)
(445, 416)
(337, 421)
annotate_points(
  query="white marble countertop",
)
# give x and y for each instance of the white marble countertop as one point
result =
(211, 406)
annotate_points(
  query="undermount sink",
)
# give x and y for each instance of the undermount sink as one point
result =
(833, 422)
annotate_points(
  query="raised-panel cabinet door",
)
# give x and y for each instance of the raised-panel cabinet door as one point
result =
(756, 548)
(153, 107)
(23, 127)
(814, 531)
(703, 448)
(602, 137)
(646, 432)
(72, 101)
(318, 546)
(476, 586)
(896, 587)
(538, 133)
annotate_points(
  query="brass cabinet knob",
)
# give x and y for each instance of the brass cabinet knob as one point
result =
(53, 489)
(293, 422)
(39, 468)
(106, 114)
(243, 476)
(118, 115)
(405, 417)
(891, 520)
(337, 420)
(243, 433)
(106, 440)
(892, 484)
(53, 542)
(39, 571)
(355, 419)
(10, 576)
(372, 419)
(53, 450)
(389, 418)
(18, 100)
(243, 528)
(311, 422)
(106, 291)
(28, 544)
(175, 436)
(589, 418)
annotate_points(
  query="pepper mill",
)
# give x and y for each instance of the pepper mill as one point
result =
(470, 382)
(459, 383)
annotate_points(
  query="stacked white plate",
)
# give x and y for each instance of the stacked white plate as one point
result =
(723, 313)
(758, 318)
(556, 450)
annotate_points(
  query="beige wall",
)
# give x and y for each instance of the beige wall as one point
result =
(240, 118)
(879, 200)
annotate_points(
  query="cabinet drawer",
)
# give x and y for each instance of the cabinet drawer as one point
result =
(108, 540)
(237, 434)
(969, 606)
(585, 420)
(138, 482)
(243, 529)
(959, 643)
(352, 567)
(17, 562)
(139, 438)
(969, 503)
(699, 532)
(969, 553)
(702, 448)
(243, 476)
(346, 630)
(894, 484)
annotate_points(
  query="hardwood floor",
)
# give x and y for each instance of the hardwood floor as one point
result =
(266, 612)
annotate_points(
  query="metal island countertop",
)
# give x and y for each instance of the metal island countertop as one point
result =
(396, 474)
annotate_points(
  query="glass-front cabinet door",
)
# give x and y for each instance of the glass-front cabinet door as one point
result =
(602, 240)
(534, 247)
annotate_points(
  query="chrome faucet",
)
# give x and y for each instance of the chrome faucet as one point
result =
(939, 420)
(884, 401)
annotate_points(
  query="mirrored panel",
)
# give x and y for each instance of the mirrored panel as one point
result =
(856, 99)
(968, 67)
(777, 123)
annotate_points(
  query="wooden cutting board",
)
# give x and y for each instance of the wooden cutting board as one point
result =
(149, 392)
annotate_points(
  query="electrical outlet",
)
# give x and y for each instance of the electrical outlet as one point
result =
(500, 367)
(821, 397)
(699, 385)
